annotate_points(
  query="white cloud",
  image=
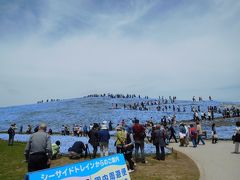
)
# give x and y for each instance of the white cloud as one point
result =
(172, 54)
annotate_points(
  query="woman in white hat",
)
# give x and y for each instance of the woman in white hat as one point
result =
(121, 138)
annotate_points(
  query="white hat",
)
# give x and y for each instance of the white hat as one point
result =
(119, 127)
(104, 122)
(42, 126)
(104, 126)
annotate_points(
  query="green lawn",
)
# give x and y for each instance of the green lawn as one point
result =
(12, 161)
(176, 166)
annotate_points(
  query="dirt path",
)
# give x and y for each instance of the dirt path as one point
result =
(215, 161)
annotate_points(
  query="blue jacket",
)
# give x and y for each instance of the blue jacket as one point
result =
(104, 135)
(78, 147)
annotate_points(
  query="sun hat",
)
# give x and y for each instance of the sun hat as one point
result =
(104, 126)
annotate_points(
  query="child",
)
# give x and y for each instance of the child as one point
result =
(56, 150)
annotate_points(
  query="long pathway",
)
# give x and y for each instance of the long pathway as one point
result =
(215, 161)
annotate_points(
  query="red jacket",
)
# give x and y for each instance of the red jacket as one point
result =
(138, 132)
(193, 132)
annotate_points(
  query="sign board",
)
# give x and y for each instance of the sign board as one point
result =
(105, 168)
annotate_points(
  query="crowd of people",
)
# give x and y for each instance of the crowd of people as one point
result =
(144, 105)
(128, 139)
(118, 96)
(194, 99)
(39, 151)
(231, 112)
(77, 130)
(162, 104)
(48, 100)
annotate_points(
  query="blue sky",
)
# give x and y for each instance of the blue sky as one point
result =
(70, 48)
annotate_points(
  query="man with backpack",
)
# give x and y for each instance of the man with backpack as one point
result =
(193, 135)
(139, 135)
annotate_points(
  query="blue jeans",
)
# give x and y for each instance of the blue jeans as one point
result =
(194, 142)
(158, 155)
(200, 139)
(139, 144)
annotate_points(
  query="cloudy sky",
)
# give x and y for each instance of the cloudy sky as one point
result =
(70, 48)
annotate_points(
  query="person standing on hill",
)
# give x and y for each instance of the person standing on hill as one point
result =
(110, 126)
(85, 130)
(11, 133)
(63, 130)
(139, 135)
(214, 134)
(94, 139)
(209, 115)
(212, 114)
(21, 129)
(158, 139)
(237, 137)
(38, 151)
(29, 129)
(194, 99)
(104, 137)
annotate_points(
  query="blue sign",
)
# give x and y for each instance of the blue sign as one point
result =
(105, 168)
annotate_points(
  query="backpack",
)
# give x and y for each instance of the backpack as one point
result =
(193, 132)
(183, 130)
(138, 132)
(10, 131)
(130, 148)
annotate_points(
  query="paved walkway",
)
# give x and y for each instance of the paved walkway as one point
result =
(215, 161)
